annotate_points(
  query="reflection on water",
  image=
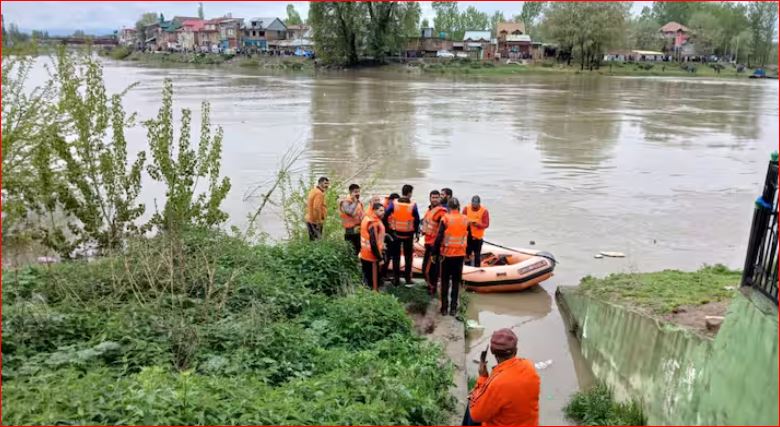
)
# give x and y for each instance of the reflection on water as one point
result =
(662, 169)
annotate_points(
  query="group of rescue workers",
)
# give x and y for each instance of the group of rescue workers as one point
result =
(381, 232)
(386, 229)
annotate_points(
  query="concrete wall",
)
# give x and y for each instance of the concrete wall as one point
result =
(679, 376)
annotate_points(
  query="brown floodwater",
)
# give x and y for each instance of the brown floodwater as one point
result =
(663, 169)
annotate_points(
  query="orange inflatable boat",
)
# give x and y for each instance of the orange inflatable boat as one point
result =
(502, 270)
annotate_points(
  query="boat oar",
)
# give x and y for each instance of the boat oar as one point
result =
(539, 254)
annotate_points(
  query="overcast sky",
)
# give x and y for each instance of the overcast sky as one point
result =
(69, 16)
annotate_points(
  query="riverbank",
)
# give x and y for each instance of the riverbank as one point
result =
(433, 66)
(677, 342)
(212, 330)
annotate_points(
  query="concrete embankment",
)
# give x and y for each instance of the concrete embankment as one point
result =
(680, 375)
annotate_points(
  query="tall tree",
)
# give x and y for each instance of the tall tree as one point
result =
(293, 17)
(497, 17)
(679, 12)
(410, 13)
(473, 19)
(763, 22)
(707, 32)
(529, 13)
(425, 23)
(644, 35)
(339, 30)
(145, 20)
(447, 19)
(201, 15)
(587, 29)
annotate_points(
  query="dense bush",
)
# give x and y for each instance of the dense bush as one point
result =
(597, 407)
(257, 335)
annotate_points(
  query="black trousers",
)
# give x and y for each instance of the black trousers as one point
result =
(474, 246)
(315, 231)
(451, 276)
(431, 269)
(395, 254)
(354, 239)
(370, 273)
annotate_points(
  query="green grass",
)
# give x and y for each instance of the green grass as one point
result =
(664, 291)
(487, 69)
(415, 299)
(598, 407)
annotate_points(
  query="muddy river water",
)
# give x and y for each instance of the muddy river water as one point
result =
(663, 169)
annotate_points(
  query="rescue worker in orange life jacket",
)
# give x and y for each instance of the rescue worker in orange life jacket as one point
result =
(446, 195)
(430, 229)
(388, 237)
(451, 244)
(479, 221)
(403, 220)
(372, 245)
(351, 213)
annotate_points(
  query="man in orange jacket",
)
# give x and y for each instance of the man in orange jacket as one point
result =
(451, 244)
(372, 245)
(403, 220)
(430, 229)
(316, 209)
(508, 396)
(479, 221)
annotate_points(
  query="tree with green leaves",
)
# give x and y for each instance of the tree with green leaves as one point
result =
(529, 13)
(473, 19)
(339, 30)
(145, 20)
(293, 17)
(180, 166)
(707, 32)
(495, 19)
(425, 23)
(201, 15)
(742, 46)
(447, 19)
(679, 12)
(763, 23)
(644, 35)
(587, 29)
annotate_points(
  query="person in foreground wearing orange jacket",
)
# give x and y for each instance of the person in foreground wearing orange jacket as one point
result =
(451, 244)
(430, 229)
(351, 213)
(479, 221)
(372, 245)
(316, 209)
(508, 396)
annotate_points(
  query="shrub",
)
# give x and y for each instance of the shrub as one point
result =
(366, 317)
(597, 407)
(325, 266)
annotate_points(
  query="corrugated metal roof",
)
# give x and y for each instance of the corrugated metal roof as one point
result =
(476, 35)
(267, 23)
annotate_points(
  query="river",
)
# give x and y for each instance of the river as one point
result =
(663, 169)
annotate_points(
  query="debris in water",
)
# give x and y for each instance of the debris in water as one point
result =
(613, 254)
(532, 242)
(473, 324)
(598, 256)
(542, 365)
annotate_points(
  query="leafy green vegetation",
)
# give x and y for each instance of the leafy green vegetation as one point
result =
(241, 334)
(596, 407)
(662, 292)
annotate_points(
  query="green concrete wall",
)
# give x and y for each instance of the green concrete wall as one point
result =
(679, 376)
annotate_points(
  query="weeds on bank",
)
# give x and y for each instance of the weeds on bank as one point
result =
(598, 407)
(663, 292)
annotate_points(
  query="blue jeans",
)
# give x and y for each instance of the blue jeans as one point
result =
(467, 421)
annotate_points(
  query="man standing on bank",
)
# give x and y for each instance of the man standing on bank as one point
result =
(316, 209)
(404, 221)
(451, 244)
(430, 229)
(479, 221)
(372, 243)
(351, 213)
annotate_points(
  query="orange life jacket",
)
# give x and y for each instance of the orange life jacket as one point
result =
(475, 216)
(371, 221)
(402, 218)
(351, 221)
(455, 234)
(430, 223)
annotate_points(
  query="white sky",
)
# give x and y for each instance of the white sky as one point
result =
(69, 16)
